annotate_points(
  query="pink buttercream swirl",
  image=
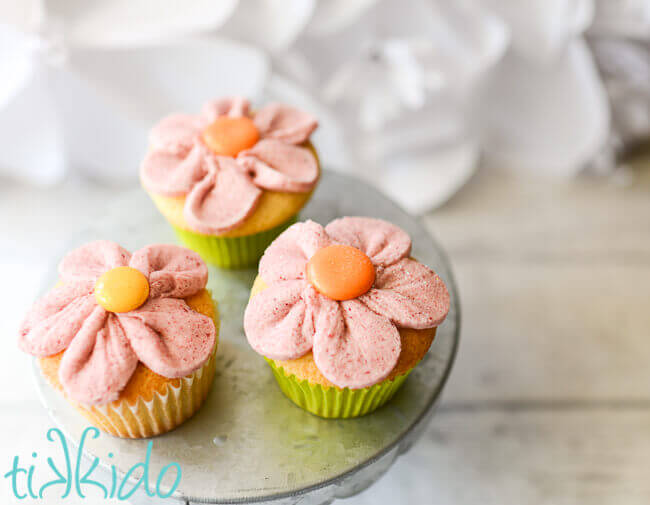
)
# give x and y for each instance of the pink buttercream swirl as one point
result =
(355, 343)
(102, 348)
(223, 191)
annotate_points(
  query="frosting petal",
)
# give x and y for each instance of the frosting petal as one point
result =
(234, 106)
(172, 173)
(280, 322)
(55, 319)
(409, 294)
(286, 258)
(383, 242)
(88, 262)
(222, 200)
(173, 271)
(278, 166)
(100, 346)
(176, 133)
(99, 361)
(281, 122)
(169, 337)
(362, 353)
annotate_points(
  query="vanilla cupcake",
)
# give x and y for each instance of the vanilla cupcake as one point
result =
(130, 340)
(343, 313)
(230, 180)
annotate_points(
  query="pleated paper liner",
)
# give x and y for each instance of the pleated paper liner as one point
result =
(163, 412)
(332, 402)
(232, 252)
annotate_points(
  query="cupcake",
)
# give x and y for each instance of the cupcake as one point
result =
(230, 180)
(130, 340)
(343, 314)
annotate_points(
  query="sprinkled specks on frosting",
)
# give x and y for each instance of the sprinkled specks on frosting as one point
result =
(102, 348)
(186, 158)
(355, 342)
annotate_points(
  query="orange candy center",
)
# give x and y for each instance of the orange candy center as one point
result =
(122, 289)
(228, 136)
(340, 272)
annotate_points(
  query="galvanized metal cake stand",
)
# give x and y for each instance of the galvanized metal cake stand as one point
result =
(248, 443)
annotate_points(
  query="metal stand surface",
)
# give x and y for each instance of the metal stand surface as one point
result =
(248, 443)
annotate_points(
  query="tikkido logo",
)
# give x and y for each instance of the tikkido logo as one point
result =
(71, 479)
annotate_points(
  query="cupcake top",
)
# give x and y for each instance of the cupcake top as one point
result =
(343, 292)
(223, 158)
(113, 309)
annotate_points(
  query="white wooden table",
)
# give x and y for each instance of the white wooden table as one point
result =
(549, 400)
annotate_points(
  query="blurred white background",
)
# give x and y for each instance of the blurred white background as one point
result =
(417, 89)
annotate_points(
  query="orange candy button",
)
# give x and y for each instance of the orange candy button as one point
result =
(340, 272)
(228, 136)
(122, 289)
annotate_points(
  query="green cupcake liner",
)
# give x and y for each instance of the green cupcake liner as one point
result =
(334, 403)
(231, 252)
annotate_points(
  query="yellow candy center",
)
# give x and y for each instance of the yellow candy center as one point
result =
(122, 289)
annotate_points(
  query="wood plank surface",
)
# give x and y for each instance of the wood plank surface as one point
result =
(499, 456)
(549, 401)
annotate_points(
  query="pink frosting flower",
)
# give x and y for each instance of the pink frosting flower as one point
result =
(102, 348)
(355, 343)
(223, 191)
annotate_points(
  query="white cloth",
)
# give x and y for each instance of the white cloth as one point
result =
(420, 88)
(85, 97)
